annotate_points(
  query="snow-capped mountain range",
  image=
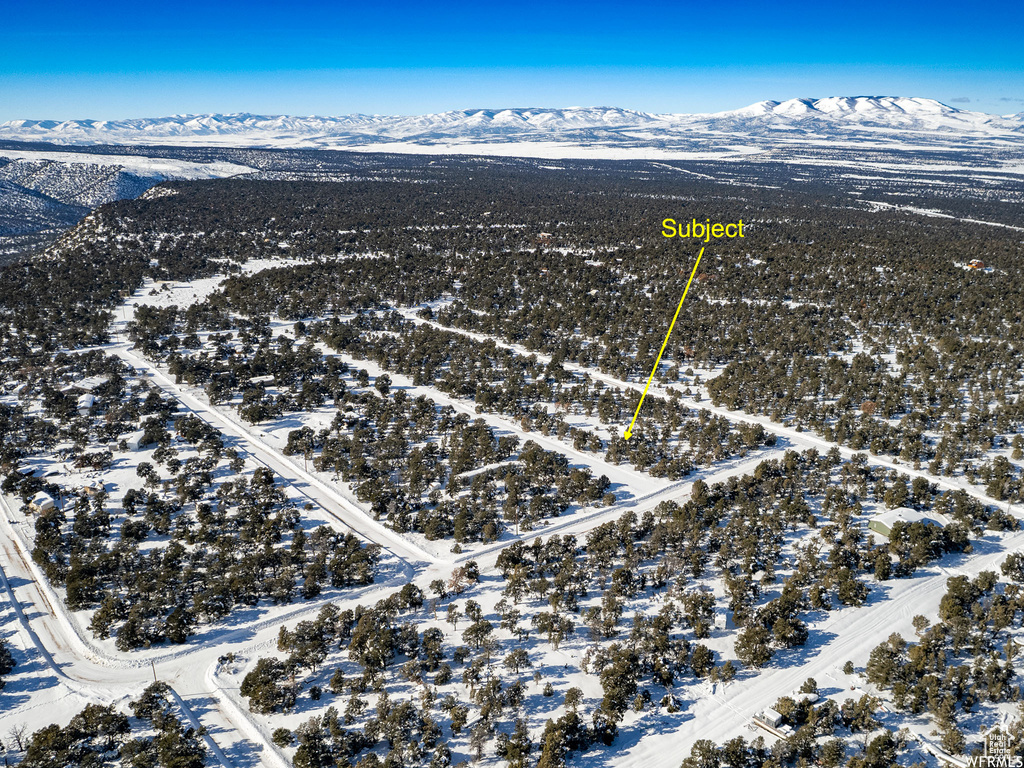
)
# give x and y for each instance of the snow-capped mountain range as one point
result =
(66, 170)
(809, 119)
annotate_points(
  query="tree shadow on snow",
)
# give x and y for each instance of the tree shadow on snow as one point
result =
(242, 753)
(817, 640)
(657, 723)
(30, 673)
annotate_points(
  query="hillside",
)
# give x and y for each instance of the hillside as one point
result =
(42, 193)
(342, 463)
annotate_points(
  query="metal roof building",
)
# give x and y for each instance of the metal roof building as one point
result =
(884, 522)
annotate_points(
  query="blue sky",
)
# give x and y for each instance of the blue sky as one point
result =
(133, 59)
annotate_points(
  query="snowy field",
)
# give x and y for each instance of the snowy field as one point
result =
(60, 667)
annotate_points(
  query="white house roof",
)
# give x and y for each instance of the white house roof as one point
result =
(86, 385)
(30, 471)
(907, 515)
(92, 382)
(771, 716)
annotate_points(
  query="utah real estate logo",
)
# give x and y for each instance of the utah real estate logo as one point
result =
(997, 753)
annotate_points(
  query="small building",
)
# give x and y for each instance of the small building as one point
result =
(93, 487)
(976, 264)
(85, 403)
(90, 384)
(771, 721)
(882, 524)
(37, 472)
(769, 717)
(41, 502)
(136, 441)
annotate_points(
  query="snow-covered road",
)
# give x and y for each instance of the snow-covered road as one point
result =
(327, 497)
(797, 438)
(102, 675)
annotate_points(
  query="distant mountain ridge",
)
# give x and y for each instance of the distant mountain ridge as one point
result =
(812, 117)
(52, 171)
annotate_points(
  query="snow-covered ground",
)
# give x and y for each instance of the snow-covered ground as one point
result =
(61, 667)
(879, 206)
(155, 167)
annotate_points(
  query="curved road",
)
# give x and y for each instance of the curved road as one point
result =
(83, 666)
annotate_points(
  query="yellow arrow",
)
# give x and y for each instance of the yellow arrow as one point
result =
(629, 430)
